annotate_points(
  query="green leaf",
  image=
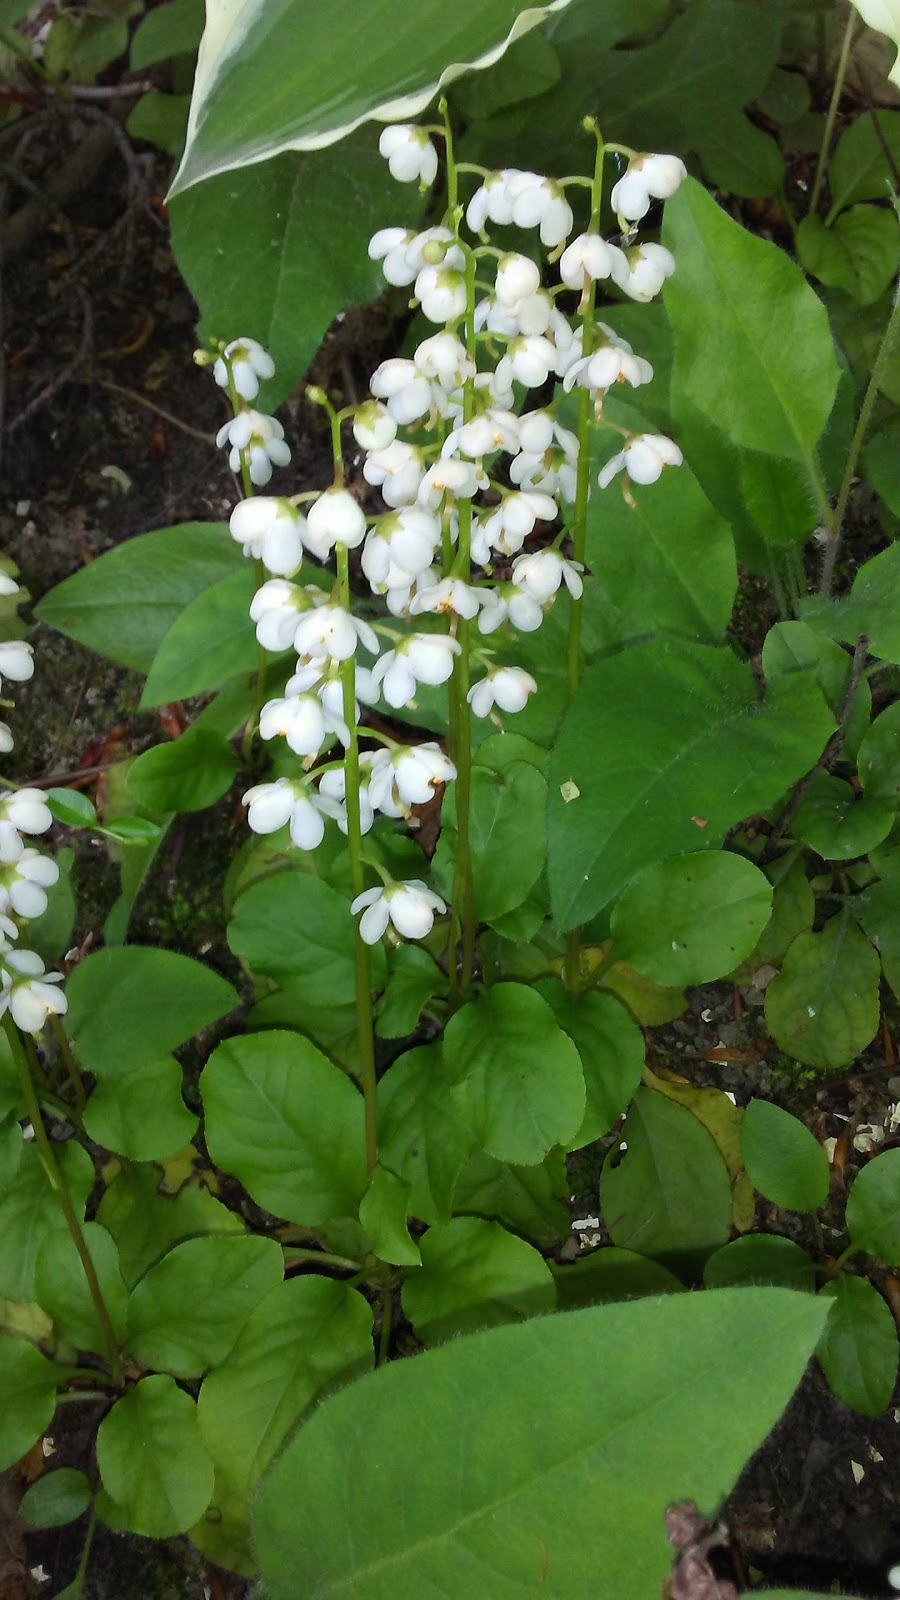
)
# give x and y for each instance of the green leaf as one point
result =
(760, 1258)
(475, 1275)
(873, 1208)
(421, 1135)
(667, 561)
(796, 647)
(305, 1336)
(823, 1006)
(187, 1312)
(152, 1460)
(878, 910)
(529, 1200)
(739, 305)
(28, 1390)
(288, 1123)
(858, 252)
(133, 830)
(297, 212)
(29, 1210)
(858, 1350)
(668, 746)
(187, 774)
(611, 1047)
(169, 30)
(872, 607)
(56, 1498)
(161, 120)
(127, 1007)
(610, 1274)
(139, 1113)
(124, 603)
(837, 825)
(691, 919)
(860, 168)
(145, 1223)
(793, 907)
(881, 463)
(415, 978)
(240, 115)
(507, 833)
(517, 1078)
(210, 641)
(72, 808)
(296, 927)
(61, 1286)
(383, 1213)
(498, 1426)
(879, 756)
(669, 1195)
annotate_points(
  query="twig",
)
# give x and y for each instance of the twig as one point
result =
(102, 91)
(168, 416)
(829, 754)
(62, 377)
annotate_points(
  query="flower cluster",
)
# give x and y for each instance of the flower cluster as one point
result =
(26, 990)
(471, 471)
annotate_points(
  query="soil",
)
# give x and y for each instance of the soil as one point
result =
(109, 431)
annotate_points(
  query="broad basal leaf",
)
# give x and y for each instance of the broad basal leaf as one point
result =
(823, 1006)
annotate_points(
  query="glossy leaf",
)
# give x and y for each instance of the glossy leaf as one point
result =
(516, 1076)
(475, 1275)
(383, 1212)
(415, 978)
(823, 1006)
(859, 168)
(71, 807)
(498, 1425)
(760, 1258)
(691, 919)
(187, 1311)
(139, 1113)
(296, 927)
(212, 639)
(288, 1123)
(668, 746)
(838, 825)
(123, 604)
(611, 1047)
(796, 647)
(508, 836)
(739, 304)
(28, 1388)
(793, 907)
(186, 774)
(152, 1460)
(871, 608)
(55, 1498)
(421, 1135)
(873, 1207)
(61, 1286)
(130, 1006)
(858, 1350)
(669, 1194)
(169, 30)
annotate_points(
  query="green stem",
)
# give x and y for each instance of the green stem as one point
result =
(836, 92)
(851, 1250)
(364, 1022)
(294, 1257)
(247, 485)
(462, 912)
(54, 1178)
(77, 1590)
(72, 1069)
(836, 521)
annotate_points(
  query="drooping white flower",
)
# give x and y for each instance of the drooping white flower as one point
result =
(588, 255)
(411, 907)
(389, 246)
(410, 775)
(333, 789)
(613, 361)
(249, 362)
(541, 573)
(401, 547)
(434, 247)
(373, 426)
(271, 805)
(441, 292)
(507, 687)
(517, 276)
(509, 600)
(397, 471)
(643, 270)
(6, 739)
(443, 358)
(405, 392)
(409, 153)
(529, 360)
(270, 530)
(648, 177)
(399, 597)
(30, 993)
(331, 631)
(508, 527)
(261, 438)
(23, 883)
(643, 458)
(493, 430)
(448, 476)
(16, 660)
(276, 609)
(491, 202)
(8, 584)
(297, 718)
(419, 658)
(538, 202)
(450, 594)
(25, 811)
(335, 518)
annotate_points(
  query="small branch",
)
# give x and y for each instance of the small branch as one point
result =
(159, 411)
(829, 754)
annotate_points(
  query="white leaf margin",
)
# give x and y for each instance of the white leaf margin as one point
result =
(228, 23)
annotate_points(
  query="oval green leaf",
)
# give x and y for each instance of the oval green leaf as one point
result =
(475, 1275)
(187, 774)
(691, 919)
(858, 1349)
(873, 1208)
(131, 1005)
(783, 1160)
(153, 1463)
(56, 1498)
(823, 1007)
(186, 1313)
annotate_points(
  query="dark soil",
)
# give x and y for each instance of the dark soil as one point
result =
(109, 432)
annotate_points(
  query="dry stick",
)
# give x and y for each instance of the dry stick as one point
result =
(167, 416)
(829, 754)
(73, 176)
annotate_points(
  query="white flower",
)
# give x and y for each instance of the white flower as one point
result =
(649, 177)
(588, 255)
(643, 270)
(406, 393)
(509, 600)
(411, 907)
(507, 687)
(419, 658)
(612, 362)
(333, 789)
(331, 631)
(8, 584)
(441, 292)
(389, 246)
(401, 547)
(538, 202)
(6, 739)
(398, 597)
(335, 518)
(30, 992)
(509, 526)
(541, 574)
(270, 531)
(436, 247)
(23, 882)
(276, 608)
(528, 359)
(373, 426)
(517, 276)
(25, 811)
(643, 458)
(409, 153)
(450, 594)
(16, 660)
(249, 362)
(447, 476)
(536, 431)
(261, 438)
(299, 719)
(410, 775)
(397, 471)
(493, 430)
(271, 805)
(492, 201)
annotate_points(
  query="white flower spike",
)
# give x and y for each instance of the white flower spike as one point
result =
(249, 362)
(411, 907)
(643, 459)
(409, 153)
(507, 687)
(649, 177)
